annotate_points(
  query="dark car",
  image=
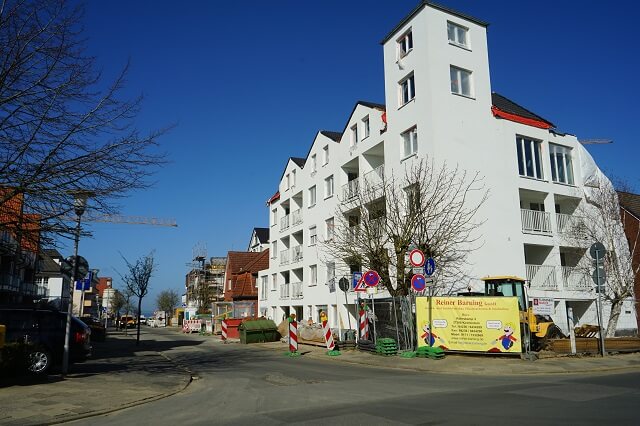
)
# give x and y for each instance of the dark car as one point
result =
(98, 331)
(43, 332)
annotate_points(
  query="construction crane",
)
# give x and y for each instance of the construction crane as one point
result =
(131, 220)
(595, 141)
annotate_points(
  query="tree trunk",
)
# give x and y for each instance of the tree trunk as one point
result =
(616, 308)
(138, 321)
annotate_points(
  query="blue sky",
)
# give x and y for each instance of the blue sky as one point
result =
(249, 84)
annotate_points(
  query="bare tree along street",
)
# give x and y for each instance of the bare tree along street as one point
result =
(238, 384)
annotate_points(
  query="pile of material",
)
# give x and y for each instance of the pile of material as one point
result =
(366, 345)
(386, 346)
(430, 352)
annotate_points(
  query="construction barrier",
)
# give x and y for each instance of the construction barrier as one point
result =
(293, 336)
(328, 337)
(189, 326)
(364, 325)
(224, 331)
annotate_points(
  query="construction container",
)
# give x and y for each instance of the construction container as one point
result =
(258, 331)
(232, 327)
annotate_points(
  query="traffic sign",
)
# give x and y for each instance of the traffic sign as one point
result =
(597, 250)
(416, 257)
(371, 278)
(429, 267)
(343, 283)
(360, 286)
(600, 274)
(357, 277)
(418, 283)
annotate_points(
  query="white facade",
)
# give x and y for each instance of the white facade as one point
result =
(437, 86)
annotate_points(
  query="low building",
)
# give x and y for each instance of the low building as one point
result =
(630, 216)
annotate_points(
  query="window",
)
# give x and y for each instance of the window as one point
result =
(274, 249)
(354, 135)
(325, 155)
(314, 164)
(460, 81)
(413, 198)
(274, 216)
(529, 157)
(405, 44)
(312, 196)
(313, 236)
(410, 142)
(365, 126)
(274, 281)
(263, 287)
(313, 274)
(331, 271)
(288, 182)
(407, 90)
(561, 166)
(329, 229)
(458, 35)
(293, 178)
(328, 187)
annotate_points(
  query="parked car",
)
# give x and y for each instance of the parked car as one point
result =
(42, 330)
(98, 331)
(126, 321)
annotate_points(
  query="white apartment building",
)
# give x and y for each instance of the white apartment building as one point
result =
(437, 87)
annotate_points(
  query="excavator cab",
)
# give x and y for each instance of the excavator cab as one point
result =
(507, 286)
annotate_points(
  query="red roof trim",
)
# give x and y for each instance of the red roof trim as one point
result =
(275, 197)
(497, 112)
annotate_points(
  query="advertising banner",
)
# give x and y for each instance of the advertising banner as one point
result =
(543, 306)
(478, 324)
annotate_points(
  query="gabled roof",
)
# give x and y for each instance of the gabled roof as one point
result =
(371, 105)
(334, 136)
(433, 5)
(237, 261)
(262, 234)
(299, 161)
(506, 108)
(630, 202)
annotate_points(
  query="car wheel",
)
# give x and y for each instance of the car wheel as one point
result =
(38, 361)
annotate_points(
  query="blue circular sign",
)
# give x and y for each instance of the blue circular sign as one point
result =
(371, 278)
(429, 267)
(418, 282)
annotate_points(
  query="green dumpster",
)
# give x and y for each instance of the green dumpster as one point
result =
(258, 331)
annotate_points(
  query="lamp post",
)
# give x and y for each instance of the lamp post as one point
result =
(79, 206)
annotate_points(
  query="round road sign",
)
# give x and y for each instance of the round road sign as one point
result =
(343, 283)
(597, 251)
(371, 278)
(416, 258)
(418, 282)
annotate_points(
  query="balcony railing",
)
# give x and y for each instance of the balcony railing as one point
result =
(7, 283)
(535, 221)
(285, 291)
(350, 190)
(284, 257)
(575, 279)
(296, 291)
(296, 217)
(284, 223)
(542, 277)
(375, 177)
(296, 254)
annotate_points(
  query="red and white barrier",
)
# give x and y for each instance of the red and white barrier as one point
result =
(189, 326)
(293, 336)
(224, 331)
(328, 336)
(364, 325)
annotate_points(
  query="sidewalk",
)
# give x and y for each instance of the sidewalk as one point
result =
(481, 364)
(119, 375)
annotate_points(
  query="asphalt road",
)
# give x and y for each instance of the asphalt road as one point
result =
(246, 385)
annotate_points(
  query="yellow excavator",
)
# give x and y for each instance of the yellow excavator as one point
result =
(539, 327)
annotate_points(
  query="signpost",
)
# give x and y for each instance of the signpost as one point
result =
(416, 258)
(418, 283)
(343, 283)
(597, 252)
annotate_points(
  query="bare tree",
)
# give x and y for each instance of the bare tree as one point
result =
(118, 302)
(63, 128)
(598, 219)
(431, 208)
(167, 300)
(137, 282)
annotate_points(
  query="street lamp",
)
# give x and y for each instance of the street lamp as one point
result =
(79, 206)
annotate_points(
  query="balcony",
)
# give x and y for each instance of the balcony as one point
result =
(569, 224)
(375, 177)
(575, 279)
(296, 217)
(542, 277)
(7, 282)
(284, 223)
(536, 222)
(285, 291)
(284, 257)
(296, 291)
(296, 254)
(350, 190)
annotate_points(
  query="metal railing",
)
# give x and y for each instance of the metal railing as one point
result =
(575, 279)
(296, 254)
(285, 291)
(375, 177)
(535, 221)
(284, 257)
(350, 190)
(296, 217)
(542, 277)
(284, 222)
(296, 291)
